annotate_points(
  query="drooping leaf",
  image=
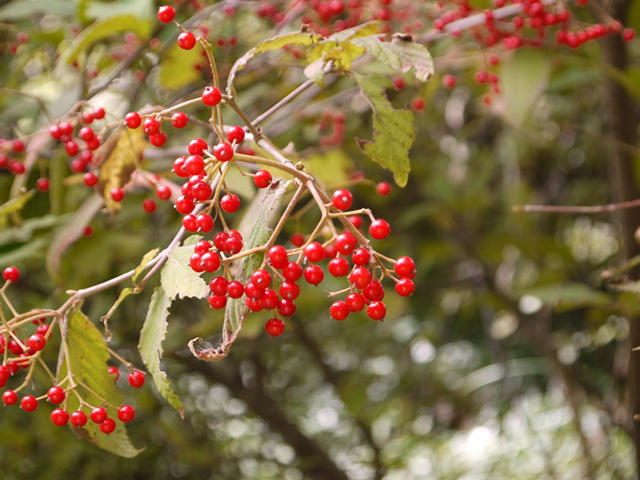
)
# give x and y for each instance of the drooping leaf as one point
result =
(88, 356)
(566, 296)
(523, 78)
(400, 55)
(176, 69)
(256, 227)
(150, 345)
(274, 43)
(146, 258)
(102, 29)
(393, 130)
(178, 279)
(14, 206)
(70, 232)
(120, 163)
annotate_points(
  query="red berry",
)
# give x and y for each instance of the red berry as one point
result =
(99, 113)
(210, 261)
(376, 310)
(232, 245)
(313, 274)
(78, 418)
(217, 301)
(204, 221)
(342, 199)
(373, 291)
(314, 252)
(261, 278)
(150, 126)
(286, 307)
(11, 274)
(383, 188)
(136, 379)
(211, 97)
(356, 220)
(166, 13)
(56, 395)
(289, 290)
(163, 192)
(230, 203)
(54, 131)
(149, 205)
(179, 120)
(126, 413)
(17, 145)
(360, 257)
(90, 179)
(345, 243)
(218, 285)
(277, 256)
(235, 289)
(186, 40)
(379, 229)
(235, 134)
(292, 271)
(274, 327)
(628, 34)
(98, 415)
(36, 342)
(339, 310)
(338, 267)
(43, 184)
(132, 119)
(71, 147)
(360, 277)
(158, 139)
(262, 179)
(223, 152)
(297, 239)
(184, 205)
(108, 426)
(86, 133)
(117, 194)
(405, 267)
(197, 146)
(202, 247)
(59, 417)
(9, 397)
(115, 372)
(418, 104)
(449, 81)
(405, 287)
(355, 302)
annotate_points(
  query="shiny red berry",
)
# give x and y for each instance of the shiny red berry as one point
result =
(43, 184)
(59, 417)
(9, 397)
(262, 179)
(132, 119)
(379, 229)
(166, 13)
(36, 342)
(179, 120)
(383, 188)
(186, 40)
(211, 96)
(136, 378)
(115, 372)
(342, 199)
(98, 415)
(338, 267)
(405, 267)
(117, 194)
(277, 256)
(223, 152)
(230, 202)
(405, 287)
(274, 327)
(339, 310)
(11, 274)
(108, 426)
(376, 310)
(78, 418)
(314, 252)
(126, 413)
(313, 274)
(235, 134)
(56, 395)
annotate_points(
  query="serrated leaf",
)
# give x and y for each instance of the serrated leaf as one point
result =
(178, 279)
(256, 227)
(14, 206)
(274, 43)
(176, 69)
(393, 130)
(102, 29)
(400, 55)
(70, 232)
(150, 345)
(147, 257)
(523, 78)
(568, 295)
(88, 356)
(120, 163)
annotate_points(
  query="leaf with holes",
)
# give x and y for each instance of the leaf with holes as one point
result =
(393, 130)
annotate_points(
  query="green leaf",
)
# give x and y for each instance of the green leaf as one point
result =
(150, 345)
(274, 43)
(14, 206)
(566, 296)
(256, 227)
(150, 255)
(100, 30)
(88, 356)
(176, 70)
(27, 8)
(178, 279)
(393, 130)
(523, 79)
(102, 10)
(400, 55)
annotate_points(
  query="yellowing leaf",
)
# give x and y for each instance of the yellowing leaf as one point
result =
(88, 356)
(120, 163)
(393, 130)
(150, 255)
(400, 55)
(14, 206)
(101, 30)
(150, 345)
(177, 68)
(178, 279)
(330, 167)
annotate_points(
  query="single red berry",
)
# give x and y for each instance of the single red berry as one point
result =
(405, 267)
(158, 139)
(78, 418)
(149, 205)
(223, 152)
(289, 290)
(202, 247)
(286, 307)
(179, 120)
(360, 277)
(72, 148)
(195, 262)
(628, 34)
(56, 395)
(230, 203)
(163, 192)
(253, 291)
(338, 267)
(132, 119)
(418, 104)
(217, 301)
(98, 414)
(383, 188)
(43, 184)
(218, 285)
(379, 229)
(277, 256)
(398, 83)
(9, 397)
(355, 302)
(210, 261)
(376, 310)
(197, 146)
(36, 342)
(186, 40)
(88, 231)
(117, 194)
(235, 289)
(11, 274)
(108, 426)
(126, 413)
(262, 179)
(356, 220)
(54, 131)
(166, 13)
(405, 287)
(17, 145)
(204, 222)
(115, 372)
(292, 271)
(59, 417)
(261, 278)
(90, 179)
(274, 327)
(297, 239)
(99, 113)
(373, 290)
(184, 205)
(86, 133)
(339, 310)
(313, 274)
(136, 378)
(86, 117)
(235, 134)
(314, 252)
(211, 96)
(150, 126)
(360, 257)
(345, 243)
(232, 245)
(342, 199)
(449, 81)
